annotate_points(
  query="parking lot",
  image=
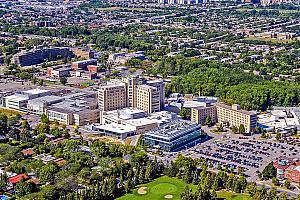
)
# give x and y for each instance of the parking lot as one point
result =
(233, 151)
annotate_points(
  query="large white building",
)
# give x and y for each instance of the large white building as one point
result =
(19, 100)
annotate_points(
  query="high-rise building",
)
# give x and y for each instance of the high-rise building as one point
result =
(112, 96)
(234, 116)
(160, 86)
(148, 98)
(131, 83)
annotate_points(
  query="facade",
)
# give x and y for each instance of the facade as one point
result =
(119, 131)
(112, 97)
(78, 111)
(148, 98)
(199, 114)
(160, 86)
(39, 105)
(234, 116)
(174, 135)
(37, 56)
(60, 115)
(131, 83)
(20, 99)
(122, 58)
(287, 168)
(58, 71)
(15, 101)
(83, 64)
(292, 173)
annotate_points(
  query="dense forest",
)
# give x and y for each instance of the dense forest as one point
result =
(229, 82)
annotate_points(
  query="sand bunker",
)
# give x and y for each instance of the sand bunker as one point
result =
(142, 190)
(168, 196)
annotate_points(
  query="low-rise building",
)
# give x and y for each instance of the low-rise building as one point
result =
(19, 100)
(119, 131)
(40, 105)
(199, 114)
(292, 173)
(83, 64)
(175, 135)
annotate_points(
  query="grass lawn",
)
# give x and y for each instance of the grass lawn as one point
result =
(158, 188)
(10, 112)
(231, 195)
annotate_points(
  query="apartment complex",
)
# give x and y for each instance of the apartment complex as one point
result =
(148, 98)
(112, 96)
(235, 116)
(199, 114)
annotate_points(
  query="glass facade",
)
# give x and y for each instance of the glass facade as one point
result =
(176, 140)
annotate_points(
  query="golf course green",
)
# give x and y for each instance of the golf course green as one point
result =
(170, 188)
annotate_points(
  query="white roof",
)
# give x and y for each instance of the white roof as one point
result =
(17, 97)
(117, 128)
(297, 168)
(35, 91)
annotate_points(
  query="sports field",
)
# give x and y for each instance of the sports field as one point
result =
(171, 188)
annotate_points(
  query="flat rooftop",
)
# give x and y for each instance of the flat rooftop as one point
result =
(173, 129)
(35, 91)
(116, 128)
(222, 105)
(46, 99)
(17, 97)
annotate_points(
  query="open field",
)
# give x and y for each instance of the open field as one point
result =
(171, 188)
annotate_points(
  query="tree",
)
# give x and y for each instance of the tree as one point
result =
(41, 82)
(44, 119)
(47, 172)
(3, 124)
(23, 188)
(278, 136)
(3, 182)
(187, 194)
(242, 129)
(287, 184)
(220, 127)
(234, 130)
(251, 188)
(275, 181)
(269, 171)
(273, 193)
(185, 113)
(63, 80)
(208, 121)
(283, 196)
